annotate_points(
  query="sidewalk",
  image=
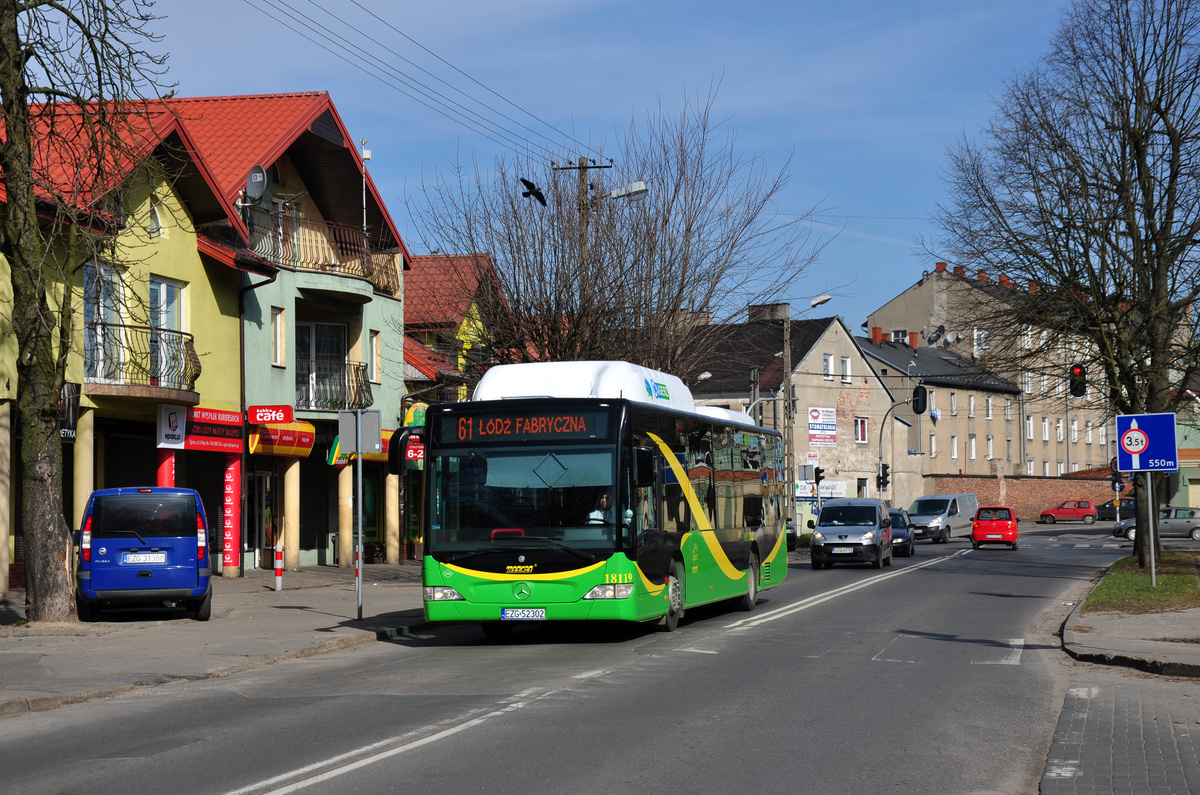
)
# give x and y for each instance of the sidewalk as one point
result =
(1158, 643)
(49, 665)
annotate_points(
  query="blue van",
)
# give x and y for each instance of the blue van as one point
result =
(144, 546)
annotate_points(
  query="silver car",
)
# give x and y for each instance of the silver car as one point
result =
(1172, 523)
(852, 531)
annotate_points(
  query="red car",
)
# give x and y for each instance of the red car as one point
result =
(1071, 511)
(994, 524)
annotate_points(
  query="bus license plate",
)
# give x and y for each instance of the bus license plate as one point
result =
(522, 614)
(842, 550)
(145, 557)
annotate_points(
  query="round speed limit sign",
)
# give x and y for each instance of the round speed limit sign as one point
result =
(1134, 441)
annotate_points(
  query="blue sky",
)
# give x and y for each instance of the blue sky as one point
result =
(864, 98)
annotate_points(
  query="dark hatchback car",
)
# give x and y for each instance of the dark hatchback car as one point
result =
(144, 547)
(903, 542)
(1107, 511)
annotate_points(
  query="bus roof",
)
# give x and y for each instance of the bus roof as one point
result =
(605, 380)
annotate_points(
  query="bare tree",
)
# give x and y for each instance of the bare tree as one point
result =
(593, 275)
(1085, 186)
(71, 74)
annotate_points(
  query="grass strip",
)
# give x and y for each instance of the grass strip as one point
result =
(1126, 588)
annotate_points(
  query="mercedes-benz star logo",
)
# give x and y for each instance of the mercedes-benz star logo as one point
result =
(522, 590)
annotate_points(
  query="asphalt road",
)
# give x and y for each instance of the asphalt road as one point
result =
(940, 674)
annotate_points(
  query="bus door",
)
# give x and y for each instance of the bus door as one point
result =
(652, 550)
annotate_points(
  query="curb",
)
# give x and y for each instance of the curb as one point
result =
(24, 704)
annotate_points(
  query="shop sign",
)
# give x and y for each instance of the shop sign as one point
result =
(822, 427)
(68, 411)
(198, 428)
(261, 415)
(415, 416)
(293, 439)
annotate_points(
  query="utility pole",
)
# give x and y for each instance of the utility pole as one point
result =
(788, 445)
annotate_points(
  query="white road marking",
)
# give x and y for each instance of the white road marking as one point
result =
(698, 651)
(813, 601)
(1012, 658)
(880, 658)
(845, 636)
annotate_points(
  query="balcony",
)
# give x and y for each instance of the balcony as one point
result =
(332, 385)
(307, 244)
(139, 361)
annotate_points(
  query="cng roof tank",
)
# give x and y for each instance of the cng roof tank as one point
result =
(604, 380)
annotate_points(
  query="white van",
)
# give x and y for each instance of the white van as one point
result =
(939, 517)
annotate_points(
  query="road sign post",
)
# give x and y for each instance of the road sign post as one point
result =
(1146, 443)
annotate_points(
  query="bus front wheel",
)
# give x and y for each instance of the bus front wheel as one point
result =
(674, 598)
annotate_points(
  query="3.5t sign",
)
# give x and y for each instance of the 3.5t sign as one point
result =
(1146, 443)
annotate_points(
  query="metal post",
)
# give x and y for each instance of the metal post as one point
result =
(1153, 526)
(358, 545)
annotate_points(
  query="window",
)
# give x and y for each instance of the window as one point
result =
(1074, 466)
(971, 446)
(1061, 469)
(1045, 383)
(860, 430)
(168, 352)
(954, 447)
(1075, 431)
(1087, 432)
(1008, 450)
(1045, 469)
(991, 448)
(376, 361)
(827, 370)
(1027, 383)
(1058, 386)
(103, 335)
(987, 407)
(1029, 427)
(278, 350)
(970, 405)
(983, 340)
(1007, 410)
(154, 224)
(953, 404)
(900, 335)
(932, 399)
(845, 369)
(1103, 433)
(932, 446)
(1026, 338)
(1045, 429)
(1058, 429)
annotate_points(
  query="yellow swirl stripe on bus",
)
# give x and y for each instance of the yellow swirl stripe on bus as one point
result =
(701, 518)
(779, 539)
(651, 588)
(492, 575)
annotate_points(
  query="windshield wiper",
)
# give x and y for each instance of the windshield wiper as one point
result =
(111, 533)
(578, 552)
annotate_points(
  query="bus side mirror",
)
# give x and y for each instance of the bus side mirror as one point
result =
(643, 467)
(398, 445)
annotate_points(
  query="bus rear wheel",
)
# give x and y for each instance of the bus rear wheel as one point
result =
(674, 598)
(750, 599)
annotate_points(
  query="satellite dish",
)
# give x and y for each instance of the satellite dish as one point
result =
(256, 183)
(937, 334)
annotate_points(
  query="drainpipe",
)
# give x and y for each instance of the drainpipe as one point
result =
(242, 386)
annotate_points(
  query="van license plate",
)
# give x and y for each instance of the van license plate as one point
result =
(145, 557)
(522, 614)
(842, 550)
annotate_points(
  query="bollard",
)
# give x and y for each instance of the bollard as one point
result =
(279, 567)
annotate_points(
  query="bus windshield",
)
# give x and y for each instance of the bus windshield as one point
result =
(543, 496)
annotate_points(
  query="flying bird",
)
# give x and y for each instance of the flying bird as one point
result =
(532, 190)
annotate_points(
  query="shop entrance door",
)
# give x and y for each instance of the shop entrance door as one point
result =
(264, 517)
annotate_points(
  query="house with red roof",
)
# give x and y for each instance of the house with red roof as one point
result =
(254, 263)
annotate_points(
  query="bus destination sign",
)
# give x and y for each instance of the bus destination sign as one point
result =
(508, 427)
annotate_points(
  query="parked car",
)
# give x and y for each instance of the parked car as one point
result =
(943, 516)
(994, 524)
(857, 530)
(1071, 511)
(144, 546)
(1107, 511)
(903, 542)
(1172, 523)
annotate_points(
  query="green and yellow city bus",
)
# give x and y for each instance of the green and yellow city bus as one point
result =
(594, 491)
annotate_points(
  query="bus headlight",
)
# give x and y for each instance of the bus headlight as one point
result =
(440, 593)
(622, 591)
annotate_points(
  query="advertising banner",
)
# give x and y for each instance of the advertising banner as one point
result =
(293, 439)
(822, 427)
(197, 428)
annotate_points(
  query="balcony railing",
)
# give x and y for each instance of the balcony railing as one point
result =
(332, 385)
(123, 355)
(316, 245)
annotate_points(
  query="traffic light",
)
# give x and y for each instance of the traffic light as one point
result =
(920, 399)
(818, 476)
(883, 477)
(1077, 378)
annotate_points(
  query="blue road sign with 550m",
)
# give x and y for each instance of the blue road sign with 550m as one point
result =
(1146, 443)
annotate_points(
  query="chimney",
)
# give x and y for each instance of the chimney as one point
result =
(959, 270)
(1004, 280)
(877, 335)
(939, 267)
(760, 312)
(912, 339)
(982, 274)
(1032, 287)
